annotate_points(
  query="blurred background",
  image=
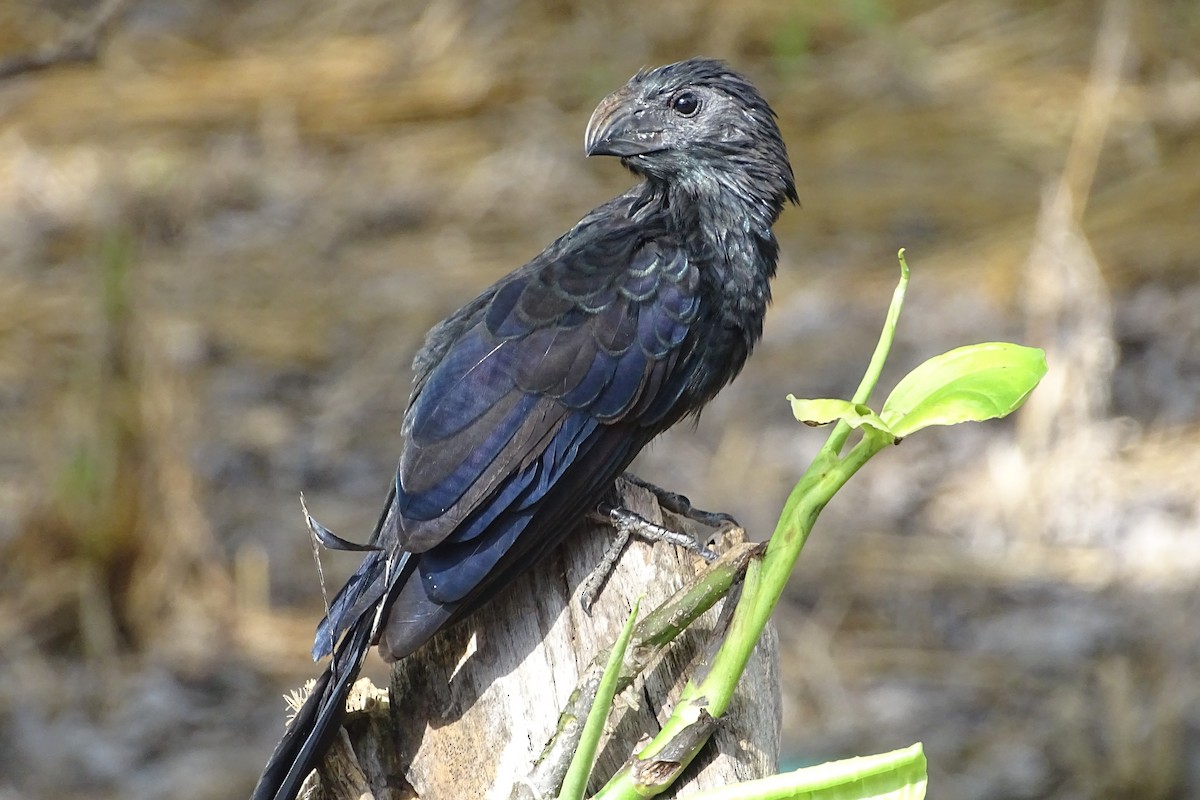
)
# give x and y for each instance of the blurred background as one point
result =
(224, 227)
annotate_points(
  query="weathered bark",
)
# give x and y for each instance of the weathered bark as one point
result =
(473, 709)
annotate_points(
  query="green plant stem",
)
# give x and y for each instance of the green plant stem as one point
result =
(764, 585)
(841, 431)
(678, 743)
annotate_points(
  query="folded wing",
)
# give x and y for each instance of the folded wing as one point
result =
(538, 397)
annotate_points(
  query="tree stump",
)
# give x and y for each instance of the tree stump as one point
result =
(470, 712)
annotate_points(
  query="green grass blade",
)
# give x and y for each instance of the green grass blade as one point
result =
(575, 784)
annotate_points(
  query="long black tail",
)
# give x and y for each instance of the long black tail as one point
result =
(316, 723)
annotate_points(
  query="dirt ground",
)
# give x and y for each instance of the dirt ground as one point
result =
(222, 238)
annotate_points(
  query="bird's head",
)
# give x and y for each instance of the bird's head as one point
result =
(695, 122)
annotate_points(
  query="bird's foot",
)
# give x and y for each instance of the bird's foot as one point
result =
(604, 568)
(679, 504)
(627, 523)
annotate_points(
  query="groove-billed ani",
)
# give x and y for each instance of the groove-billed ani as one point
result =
(531, 400)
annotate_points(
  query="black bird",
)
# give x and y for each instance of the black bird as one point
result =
(530, 400)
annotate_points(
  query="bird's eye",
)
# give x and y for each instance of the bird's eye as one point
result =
(685, 104)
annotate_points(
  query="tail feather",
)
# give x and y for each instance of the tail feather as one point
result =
(360, 594)
(316, 723)
(379, 572)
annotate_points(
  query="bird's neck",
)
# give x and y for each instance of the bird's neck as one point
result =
(730, 201)
(727, 233)
(729, 228)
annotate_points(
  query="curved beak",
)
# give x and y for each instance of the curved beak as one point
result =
(618, 128)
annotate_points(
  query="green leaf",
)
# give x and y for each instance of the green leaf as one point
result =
(968, 384)
(824, 411)
(898, 775)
